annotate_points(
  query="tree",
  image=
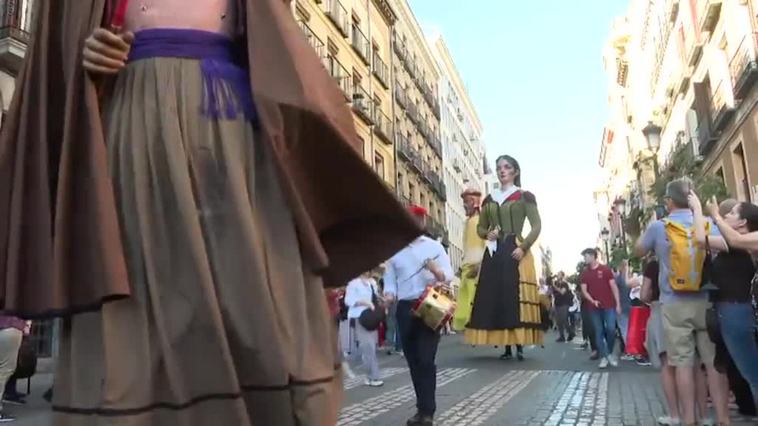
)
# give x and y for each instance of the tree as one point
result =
(684, 164)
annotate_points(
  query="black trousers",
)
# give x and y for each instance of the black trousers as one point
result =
(420, 348)
(562, 319)
(588, 330)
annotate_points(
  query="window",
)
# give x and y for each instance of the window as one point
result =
(379, 164)
(720, 174)
(740, 172)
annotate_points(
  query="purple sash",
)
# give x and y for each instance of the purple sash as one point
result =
(227, 91)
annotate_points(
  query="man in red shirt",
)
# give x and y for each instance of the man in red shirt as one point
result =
(601, 293)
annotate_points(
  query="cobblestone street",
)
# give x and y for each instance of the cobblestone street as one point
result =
(557, 385)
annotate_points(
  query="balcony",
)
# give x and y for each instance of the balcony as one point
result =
(674, 11)
(15, 33)
(437, 185)
(403, 146)
(363, 105)
(337, 13)
(436, 109)
(405, 201)
(706, 137)
(383, 126)
(401, 50)
(401, 97)
(684, 86)
(721, 107)
(710, 15)
(313, 39)
(426, 171)
(413, 113)
(418, 163)
(695, 53)
(341, 75)
(416, 77)
(436, 228)
(381, 71)
(360, 44)
(435, 143)
(423, 128)
(743, 66)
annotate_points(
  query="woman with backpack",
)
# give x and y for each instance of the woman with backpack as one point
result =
(733, 271)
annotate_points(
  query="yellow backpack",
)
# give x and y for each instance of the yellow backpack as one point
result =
(686, 258)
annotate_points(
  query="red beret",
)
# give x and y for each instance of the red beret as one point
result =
(418, 211)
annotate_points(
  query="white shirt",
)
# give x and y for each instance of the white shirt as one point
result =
(358, 290)
(405, 276)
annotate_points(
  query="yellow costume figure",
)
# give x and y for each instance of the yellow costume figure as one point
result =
(506, 308)
(473, 251)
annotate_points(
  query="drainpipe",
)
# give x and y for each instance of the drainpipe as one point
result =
(393, 86)
(370, 86)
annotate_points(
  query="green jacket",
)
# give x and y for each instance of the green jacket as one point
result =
(510, 216)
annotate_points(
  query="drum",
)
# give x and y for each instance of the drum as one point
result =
(434, 308)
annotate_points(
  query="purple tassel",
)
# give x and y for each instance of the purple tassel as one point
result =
(226, 91)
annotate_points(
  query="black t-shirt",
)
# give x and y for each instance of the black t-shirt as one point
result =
(566, 299)
(732, 273)
(651, 272)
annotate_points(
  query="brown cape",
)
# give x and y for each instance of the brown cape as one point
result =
(60, 243)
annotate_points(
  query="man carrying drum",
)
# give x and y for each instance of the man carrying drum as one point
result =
(423, 263)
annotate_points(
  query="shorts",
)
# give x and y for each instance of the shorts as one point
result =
(685, 333)
(655, 344)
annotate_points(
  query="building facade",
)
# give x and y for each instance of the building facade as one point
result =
(690, 72)
(15, 30)
(417, 120)
(353, 39)
(463, 152)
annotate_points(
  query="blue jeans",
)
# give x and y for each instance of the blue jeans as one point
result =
(623, 322)
(604, 323)
(738, 329)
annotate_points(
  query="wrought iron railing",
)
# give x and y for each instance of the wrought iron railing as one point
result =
(338, 15)
(380, 69)
(360, 43)
(316, 43)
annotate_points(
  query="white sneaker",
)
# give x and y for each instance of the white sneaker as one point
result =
(627, 357)
(613, 360)
(669, 421)
(374, 383)
(603, 363)
(347, 371)
(707, 422)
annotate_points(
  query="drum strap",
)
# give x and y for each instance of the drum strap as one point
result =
(417, 272)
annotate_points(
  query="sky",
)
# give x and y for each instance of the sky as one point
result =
(534, 71)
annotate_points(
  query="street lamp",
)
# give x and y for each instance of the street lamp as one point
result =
(605, 234)
(621, 206)
(652, 134)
